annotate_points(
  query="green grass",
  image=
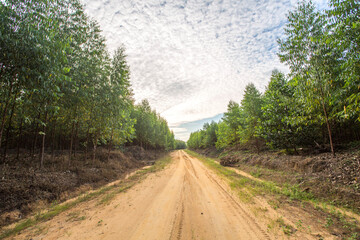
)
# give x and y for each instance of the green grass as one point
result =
(257, 173)
(238, 181)
(111, 191)
(292, 192)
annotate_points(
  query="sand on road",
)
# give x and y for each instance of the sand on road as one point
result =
(186, 200)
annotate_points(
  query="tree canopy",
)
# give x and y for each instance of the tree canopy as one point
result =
(61, 89)
(318, 102)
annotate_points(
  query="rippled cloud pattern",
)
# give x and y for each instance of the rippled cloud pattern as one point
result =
(189, 58)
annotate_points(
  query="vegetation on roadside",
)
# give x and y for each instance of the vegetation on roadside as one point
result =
(316, 104)
(60, 88)
(179, 144)
(278, 195)
(107, 193)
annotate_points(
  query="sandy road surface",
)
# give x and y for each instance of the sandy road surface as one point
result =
(184, 201)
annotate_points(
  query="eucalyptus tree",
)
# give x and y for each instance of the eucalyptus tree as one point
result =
(251, 107)
(224, 135)
(345, 22)
(313, 63)
(210, 137)
(179, 144)
(151, 129)
(121, 127)
(196, 139)
(33, 57)
(233, 117)
(281, 112)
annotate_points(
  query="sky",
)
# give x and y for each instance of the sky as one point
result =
(189, 58)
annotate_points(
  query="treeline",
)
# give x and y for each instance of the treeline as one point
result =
(318, 103)
(61, 89)
(179, 144)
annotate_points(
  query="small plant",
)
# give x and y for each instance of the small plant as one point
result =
(354, 236)
(329, 222)
(257, 173)
(100, 222)
(299, 224)
(287, 229)
(274, 204)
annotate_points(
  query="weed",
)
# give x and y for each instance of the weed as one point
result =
(299, 224)
(74, 216)
(56, 209)
(257, 173)
(40, 229)
(329, 222)
(274, 204)
(99, 223)
(287, 229)
(248, 187)
(354, 236)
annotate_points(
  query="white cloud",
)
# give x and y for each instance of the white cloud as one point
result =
(190, 57)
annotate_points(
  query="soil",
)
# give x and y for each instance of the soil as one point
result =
(186, 200)
(332, 179)
(25, 188)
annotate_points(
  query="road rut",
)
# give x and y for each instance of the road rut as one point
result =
(184, 201)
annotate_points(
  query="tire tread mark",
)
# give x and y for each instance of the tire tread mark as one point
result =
(178, 222)
(233, 202)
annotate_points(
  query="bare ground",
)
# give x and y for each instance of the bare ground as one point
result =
(187, 200)
(25, 188)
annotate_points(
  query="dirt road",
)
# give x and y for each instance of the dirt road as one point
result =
(184, 201)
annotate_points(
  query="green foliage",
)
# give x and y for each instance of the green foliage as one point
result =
(204, 138)
(318, 102)
(152, 130)
(225, 135)
(180, 144)
(60, 88)
(345, 26)
(251, 107)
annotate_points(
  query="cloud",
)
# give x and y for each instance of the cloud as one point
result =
(190, 57)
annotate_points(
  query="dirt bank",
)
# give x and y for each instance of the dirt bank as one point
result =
(332, 179)
(25, 188)
(185, 201)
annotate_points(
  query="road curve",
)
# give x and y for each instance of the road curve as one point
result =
(184, 201)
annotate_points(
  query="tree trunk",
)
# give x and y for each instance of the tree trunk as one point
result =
(71, 143)
(295, 150)
(110, 144)
(53, 137)
(257, 145)
(35, 138)
(87, 142)
(19, 140)
(94, 148)
(3, 117)
(9, 127)
(326, 117)
(76, 137)
(43, 142)
(329, 129)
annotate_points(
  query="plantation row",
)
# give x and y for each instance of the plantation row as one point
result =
(317, 104)
(61, 89)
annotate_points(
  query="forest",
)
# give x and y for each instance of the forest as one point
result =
(317, 104)
(62, 90)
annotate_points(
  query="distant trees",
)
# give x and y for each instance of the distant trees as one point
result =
(318, 102)
(179, 144)
(60, 89)
(151, 130)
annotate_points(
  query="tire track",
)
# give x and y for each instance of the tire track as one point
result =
(179, 217)
(230, 199)
(190, 165)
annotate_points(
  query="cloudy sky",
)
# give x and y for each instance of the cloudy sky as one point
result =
(190, 57)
